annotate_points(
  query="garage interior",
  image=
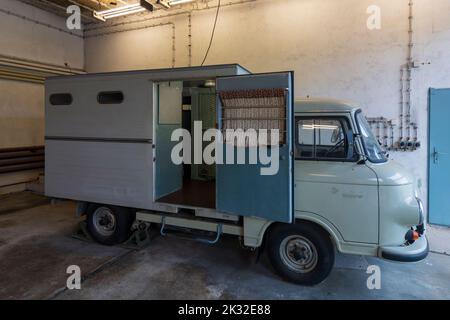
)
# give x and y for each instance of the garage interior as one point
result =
(336, 50)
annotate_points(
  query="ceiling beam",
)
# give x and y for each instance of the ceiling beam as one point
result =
(58, 9)
(95, 4)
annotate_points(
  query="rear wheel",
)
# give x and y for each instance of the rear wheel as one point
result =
(109, 225)
(301, 253)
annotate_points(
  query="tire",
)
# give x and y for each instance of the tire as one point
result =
(109, 225)
(301, 253)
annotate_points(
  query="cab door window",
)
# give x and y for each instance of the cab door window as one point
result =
(324, 139)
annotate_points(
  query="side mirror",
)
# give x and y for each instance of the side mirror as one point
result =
(362, 159)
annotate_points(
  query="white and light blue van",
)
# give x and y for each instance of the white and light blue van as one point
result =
(109, 144)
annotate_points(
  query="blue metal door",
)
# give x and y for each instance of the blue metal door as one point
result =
(439, 157)
(258, 101)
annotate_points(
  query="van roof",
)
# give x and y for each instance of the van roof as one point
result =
(325, 105)
(163, 72)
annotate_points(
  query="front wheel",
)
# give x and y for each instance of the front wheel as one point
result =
(301, 253)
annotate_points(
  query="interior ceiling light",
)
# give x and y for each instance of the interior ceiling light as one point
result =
(141, 6)
(175, 2)
(209, 83)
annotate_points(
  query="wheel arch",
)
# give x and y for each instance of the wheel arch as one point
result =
(295, 262)
(325, 227)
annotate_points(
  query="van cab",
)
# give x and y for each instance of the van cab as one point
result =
(346, 183)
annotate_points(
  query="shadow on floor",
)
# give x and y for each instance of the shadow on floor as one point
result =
(36, 248)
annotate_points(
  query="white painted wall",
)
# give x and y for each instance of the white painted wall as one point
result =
(22, 104)
(326, 43)
(28, 40)
(22, 114)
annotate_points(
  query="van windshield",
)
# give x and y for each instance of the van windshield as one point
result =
(373, 150)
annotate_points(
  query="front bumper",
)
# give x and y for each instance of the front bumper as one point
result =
(407, 253)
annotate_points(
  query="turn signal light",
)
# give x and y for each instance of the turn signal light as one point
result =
(412, 235)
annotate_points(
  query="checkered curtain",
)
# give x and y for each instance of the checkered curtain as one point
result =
(254, 109)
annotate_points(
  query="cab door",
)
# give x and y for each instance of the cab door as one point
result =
(257, 101)
(328, 180)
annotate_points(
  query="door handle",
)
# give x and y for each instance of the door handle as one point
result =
(435, 155)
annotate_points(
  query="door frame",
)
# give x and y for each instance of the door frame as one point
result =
(430, 90)
(429, 153)
(155, 106)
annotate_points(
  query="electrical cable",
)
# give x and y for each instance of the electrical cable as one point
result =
(212, 34)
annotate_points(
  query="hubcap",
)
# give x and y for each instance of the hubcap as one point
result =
(298, 254)
(104, 221)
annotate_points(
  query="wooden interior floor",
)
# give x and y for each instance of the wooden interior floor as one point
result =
(194, 193)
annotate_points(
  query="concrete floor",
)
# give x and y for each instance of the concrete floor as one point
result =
(36, 247)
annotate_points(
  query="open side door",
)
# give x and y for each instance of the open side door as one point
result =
(257, 101)
(168, 100)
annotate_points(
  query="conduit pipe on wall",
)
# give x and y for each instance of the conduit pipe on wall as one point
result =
(20, 77)
(47, 25)
(31, 71)
(407, 140)
(409, 69)
(90, 32)
(18, 69)
(38, 66)
(140, 28)
(190, 38)
(162, 16)
(384, 131)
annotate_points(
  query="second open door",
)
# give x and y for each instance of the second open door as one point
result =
(257, 101)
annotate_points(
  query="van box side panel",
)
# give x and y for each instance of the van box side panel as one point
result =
(103, 153)
(117, 173)
(87, 118)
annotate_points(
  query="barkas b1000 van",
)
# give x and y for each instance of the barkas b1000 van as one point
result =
(109, 146)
